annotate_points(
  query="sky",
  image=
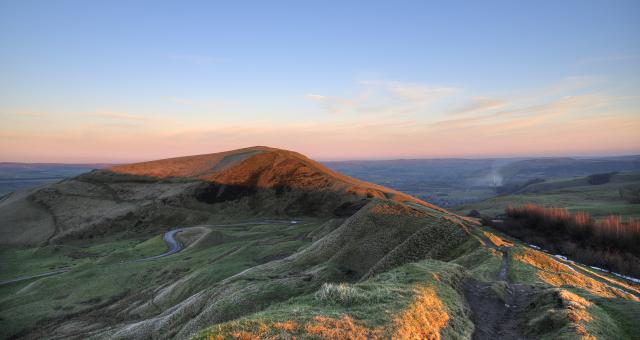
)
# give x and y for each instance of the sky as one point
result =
(124, 81)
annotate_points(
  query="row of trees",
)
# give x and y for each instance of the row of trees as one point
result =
(611, 243)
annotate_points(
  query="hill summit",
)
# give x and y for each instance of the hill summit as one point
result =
(256, 181)
(261, 167)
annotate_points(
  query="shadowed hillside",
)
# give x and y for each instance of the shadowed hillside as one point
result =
(258, 181)
(260, 167)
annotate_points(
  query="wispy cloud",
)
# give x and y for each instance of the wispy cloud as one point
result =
(419, 94)
(316, 97)
(381, 120)
(123, 116)
(374, 97)
(480, 104)
(519, 118)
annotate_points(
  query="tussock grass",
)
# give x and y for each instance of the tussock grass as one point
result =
(415, 301)
(480, 262)
(340, 293)
(558, 275)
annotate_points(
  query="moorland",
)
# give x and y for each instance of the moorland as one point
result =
(276, 245)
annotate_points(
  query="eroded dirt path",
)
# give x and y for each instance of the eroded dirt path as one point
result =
(498, 307)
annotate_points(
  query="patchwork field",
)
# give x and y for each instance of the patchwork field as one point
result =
(575, 194)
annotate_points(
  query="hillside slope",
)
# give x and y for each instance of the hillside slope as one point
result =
(257, 181)
(359, 261)
(618, 195)
(260, 167)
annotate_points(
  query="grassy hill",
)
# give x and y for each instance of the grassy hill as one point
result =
(361, 261)
(450, 183)
(575, 194)
(17, 176)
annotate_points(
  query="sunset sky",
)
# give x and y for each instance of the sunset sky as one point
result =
(119, 81)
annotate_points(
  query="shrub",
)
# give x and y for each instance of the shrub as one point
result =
(597, 179)
(610, 243)
(630, 193)
(474, 213)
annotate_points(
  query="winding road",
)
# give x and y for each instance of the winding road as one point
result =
(174, 245)
(22, 278)
(169, 237)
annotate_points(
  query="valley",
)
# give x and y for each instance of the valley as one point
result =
(266, 243)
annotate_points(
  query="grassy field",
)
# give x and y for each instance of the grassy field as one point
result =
(575, 194)
(98, 276)
(16, 176)
(426, 299)
(390, 271)
(390, 304)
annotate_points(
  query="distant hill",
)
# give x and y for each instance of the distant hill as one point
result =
(617, 195)
(551, 168)
(453, 182)
(16, 176)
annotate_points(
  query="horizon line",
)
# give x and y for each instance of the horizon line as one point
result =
(338, 160)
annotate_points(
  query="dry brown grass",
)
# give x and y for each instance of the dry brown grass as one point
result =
(499, 242)
(395, 210)
(319, 327)
(577, 312)
(343, 328)
(539, 260)
(289, 325)
(423, 319)
(630, 286)
(263, 167)
(559, 275)
(185, 167)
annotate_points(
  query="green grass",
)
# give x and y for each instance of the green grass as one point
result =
(275, 292)
(372, 303)
(598, 200)
(624, 313)
(611, 318)
(22, 261)
(481, 263)
(99, 278)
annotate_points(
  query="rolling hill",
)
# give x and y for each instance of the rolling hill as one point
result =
(600, 199)
(256, 181)
(454, 182)
(275, 245)
(17, 176)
